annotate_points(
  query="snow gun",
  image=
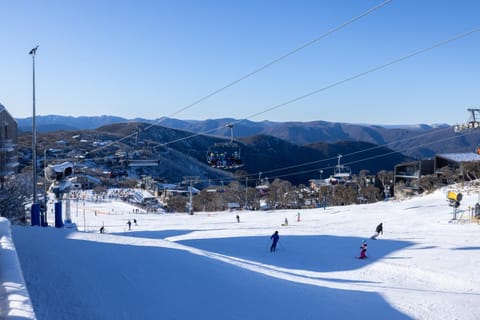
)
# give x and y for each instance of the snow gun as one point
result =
(454, 199)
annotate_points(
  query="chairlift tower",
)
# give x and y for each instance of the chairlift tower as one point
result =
(230, 126)
(341, 171)
(191, 180)
(473, 123)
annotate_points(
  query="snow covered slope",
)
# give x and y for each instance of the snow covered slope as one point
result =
(208, 266)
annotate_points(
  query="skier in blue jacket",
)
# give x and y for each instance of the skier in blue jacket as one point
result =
(275, 237)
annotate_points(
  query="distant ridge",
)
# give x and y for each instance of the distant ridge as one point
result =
(413, 140)
(274, 157)
(52, 123)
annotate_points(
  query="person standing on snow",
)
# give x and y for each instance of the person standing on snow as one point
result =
(129, 225)
(275, 237)
(363, 250)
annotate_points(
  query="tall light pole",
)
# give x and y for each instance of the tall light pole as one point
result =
(45, 198)
(33, 52)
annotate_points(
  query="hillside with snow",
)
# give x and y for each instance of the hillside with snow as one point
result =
(209, 266)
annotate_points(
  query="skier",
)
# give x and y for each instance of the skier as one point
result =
(285, 223)
(275, 237)
(135, 222)
(298, 216)
(238, 218)
(363, 250)
(102, 229)
(129, 225)
(378, 231)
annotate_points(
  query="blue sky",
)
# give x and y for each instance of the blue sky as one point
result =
(154, 58)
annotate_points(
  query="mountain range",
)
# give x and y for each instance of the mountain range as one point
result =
(416, 141)
(294, 151)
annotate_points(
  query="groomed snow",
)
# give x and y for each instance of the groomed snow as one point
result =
(208, 266)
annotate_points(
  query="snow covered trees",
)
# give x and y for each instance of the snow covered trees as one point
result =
(15, 196)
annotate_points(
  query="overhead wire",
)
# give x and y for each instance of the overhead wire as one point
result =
(457, 136)
(284, 56)
(361, 151)
(350, 154)
(403, 58)
(369, 71)
(261, 68)
(335, 84)
(381, 155)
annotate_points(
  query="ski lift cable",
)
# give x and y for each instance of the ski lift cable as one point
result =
(267, 65)
(357, 152)
(282, 57)
(254, 175)
(380, 67)
(399, 151)
(415, 53)
(364, 73)
(365, 159)
(335, 84)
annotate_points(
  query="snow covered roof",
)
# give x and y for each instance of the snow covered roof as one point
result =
(460, 157)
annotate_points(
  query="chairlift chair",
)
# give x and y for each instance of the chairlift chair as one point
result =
(225, 155)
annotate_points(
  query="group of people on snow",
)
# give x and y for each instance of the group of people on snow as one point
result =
(363, 248)
(275, 237)
(129, 224)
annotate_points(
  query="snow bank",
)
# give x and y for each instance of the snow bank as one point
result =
(14, 299)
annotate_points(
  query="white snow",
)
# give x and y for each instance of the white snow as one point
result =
(14, 300)
(208, 266)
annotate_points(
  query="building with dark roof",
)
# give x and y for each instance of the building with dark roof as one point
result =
(407, 175)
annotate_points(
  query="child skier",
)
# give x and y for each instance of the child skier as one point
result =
(363, 250)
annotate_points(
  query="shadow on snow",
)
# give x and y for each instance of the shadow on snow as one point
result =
(314, 253)
(79, 279)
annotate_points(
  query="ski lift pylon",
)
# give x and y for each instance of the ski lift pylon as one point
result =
(341, 171)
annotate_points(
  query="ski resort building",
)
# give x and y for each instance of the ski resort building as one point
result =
(407, 175)
(8, 142)
(454, 160)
